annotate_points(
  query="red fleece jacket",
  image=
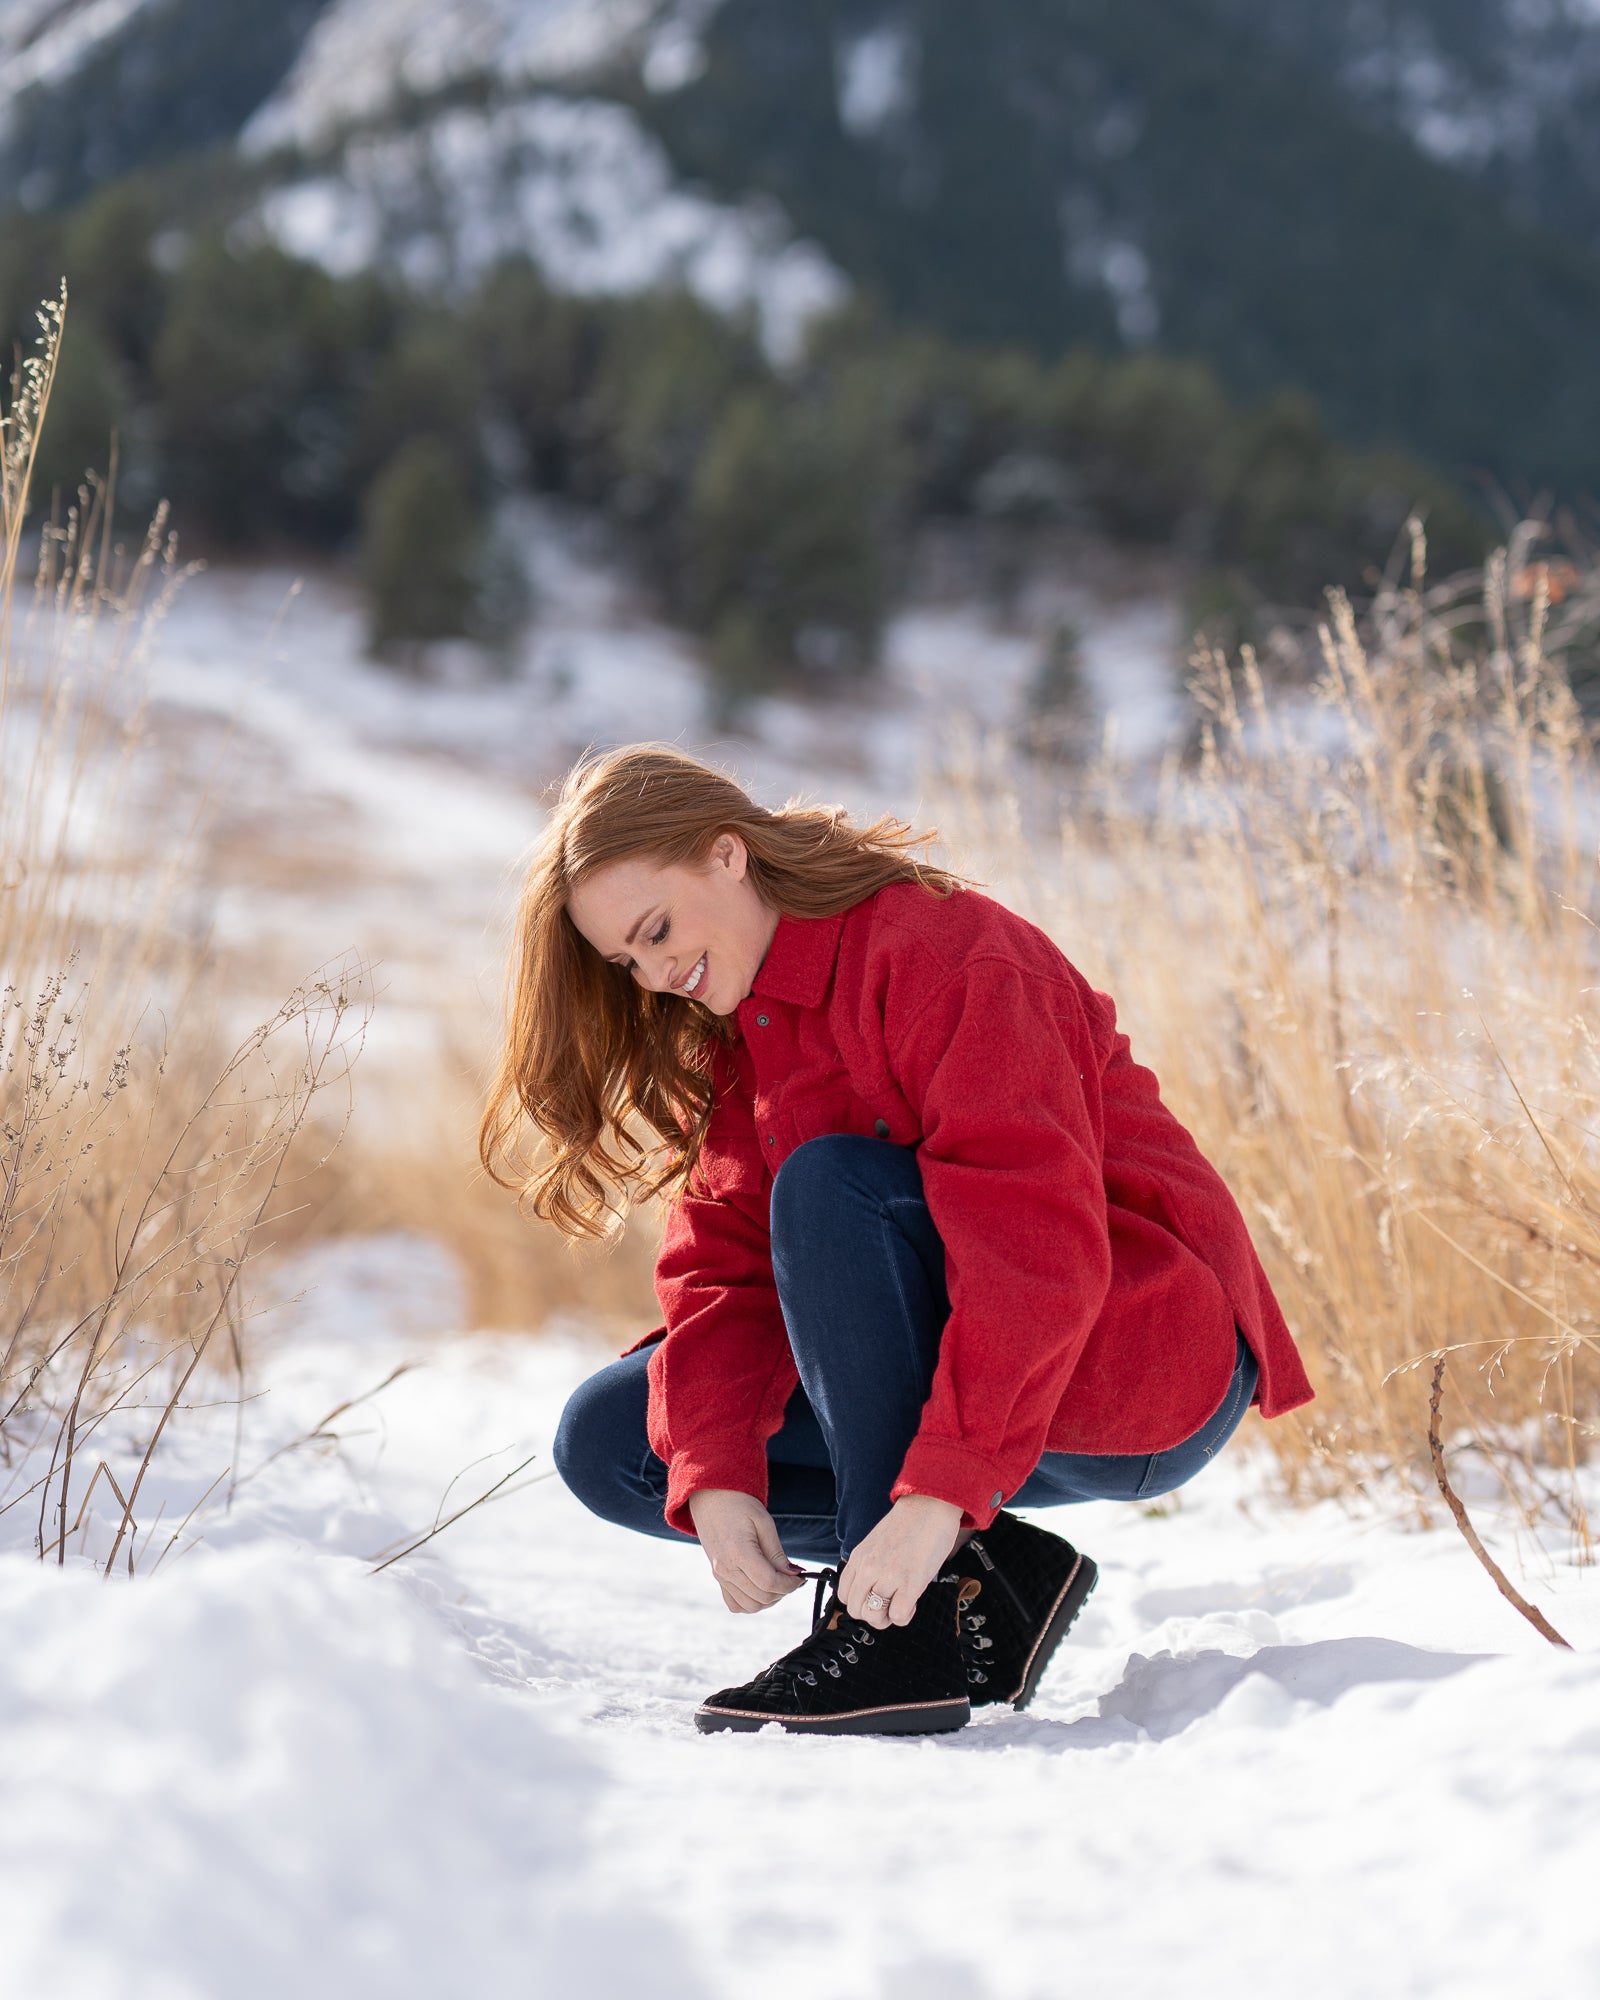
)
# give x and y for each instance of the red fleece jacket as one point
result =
(1096, 1261)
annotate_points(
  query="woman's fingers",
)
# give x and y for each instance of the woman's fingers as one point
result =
(772, 1549)
(859, 1589)
(898, 1559)
(749, 1575)
(741, 1542)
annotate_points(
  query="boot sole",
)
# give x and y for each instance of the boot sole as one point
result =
(1081, 1579)
(919, 1718)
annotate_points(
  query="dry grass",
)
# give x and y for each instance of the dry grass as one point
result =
(518, 1272)
(139, 1162)
(1355, 938)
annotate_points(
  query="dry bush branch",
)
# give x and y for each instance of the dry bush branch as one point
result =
(1502, 1582)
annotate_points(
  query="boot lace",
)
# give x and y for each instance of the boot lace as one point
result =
(834, 1644)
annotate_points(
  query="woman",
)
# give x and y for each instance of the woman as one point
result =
(934, 1242)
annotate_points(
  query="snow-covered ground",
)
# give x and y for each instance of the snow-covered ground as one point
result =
(1282, 1751)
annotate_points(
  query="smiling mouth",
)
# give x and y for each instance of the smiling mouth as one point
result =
(691, 985)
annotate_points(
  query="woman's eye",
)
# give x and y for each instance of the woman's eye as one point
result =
(661, 935)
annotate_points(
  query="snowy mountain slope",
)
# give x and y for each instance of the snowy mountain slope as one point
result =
(93, 89)
(1394, 207)
(1140, 172)
(366, 57)
(440, 190)
(1506, 90)
(45, 41)
(575, 184)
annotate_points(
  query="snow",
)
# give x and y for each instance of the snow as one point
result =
(45, 41)
(576, 184)
(363, 56)
(877, 79)
(1099, 252)
(1282, 1747)
(442, 772)
(1473, 93)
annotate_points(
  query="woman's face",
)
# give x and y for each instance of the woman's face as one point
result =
(700, 931)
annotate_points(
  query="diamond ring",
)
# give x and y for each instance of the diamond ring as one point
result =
(877, 1603)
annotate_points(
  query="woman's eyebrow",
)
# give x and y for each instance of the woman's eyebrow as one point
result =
(635, 931)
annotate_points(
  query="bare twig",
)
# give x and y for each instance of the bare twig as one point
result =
(177, 1531)
(102, 1471)
(319, 1432)
(411, 1548)
(1503, 1583)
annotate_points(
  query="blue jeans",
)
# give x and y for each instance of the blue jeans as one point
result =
(860, 1275)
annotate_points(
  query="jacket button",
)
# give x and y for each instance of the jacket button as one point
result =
(882, 1128)
(772, 1138)
(761, 1021)
(995, 1502)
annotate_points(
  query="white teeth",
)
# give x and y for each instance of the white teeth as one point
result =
(696, 976)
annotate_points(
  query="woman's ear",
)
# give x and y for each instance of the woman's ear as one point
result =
(729, 851)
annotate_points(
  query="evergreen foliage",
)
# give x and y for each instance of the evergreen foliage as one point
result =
(420, 540)
(788, 536)
(278, 405)
(256, 372)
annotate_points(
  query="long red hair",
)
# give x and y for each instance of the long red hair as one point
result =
(602, 1091)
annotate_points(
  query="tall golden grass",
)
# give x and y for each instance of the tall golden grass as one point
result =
(139, 1157)
(1354, 934)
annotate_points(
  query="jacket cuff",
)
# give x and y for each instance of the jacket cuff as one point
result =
(735, 1461)
(951, 1472)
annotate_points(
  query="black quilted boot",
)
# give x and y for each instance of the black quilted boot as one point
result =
(849, 1680)
(1020, 1589)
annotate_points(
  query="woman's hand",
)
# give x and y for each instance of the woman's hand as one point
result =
(741, 1543)
(899, 1559)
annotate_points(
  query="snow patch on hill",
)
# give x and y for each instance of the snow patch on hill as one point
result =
(876, 78)
(364, 56)
(575, 184)
(45, 41)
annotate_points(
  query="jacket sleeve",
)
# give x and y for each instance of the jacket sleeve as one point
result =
(722, 1378)
(1000, 1065)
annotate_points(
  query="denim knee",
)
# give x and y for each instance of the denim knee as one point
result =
(821, 1176)
(601, 1447)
